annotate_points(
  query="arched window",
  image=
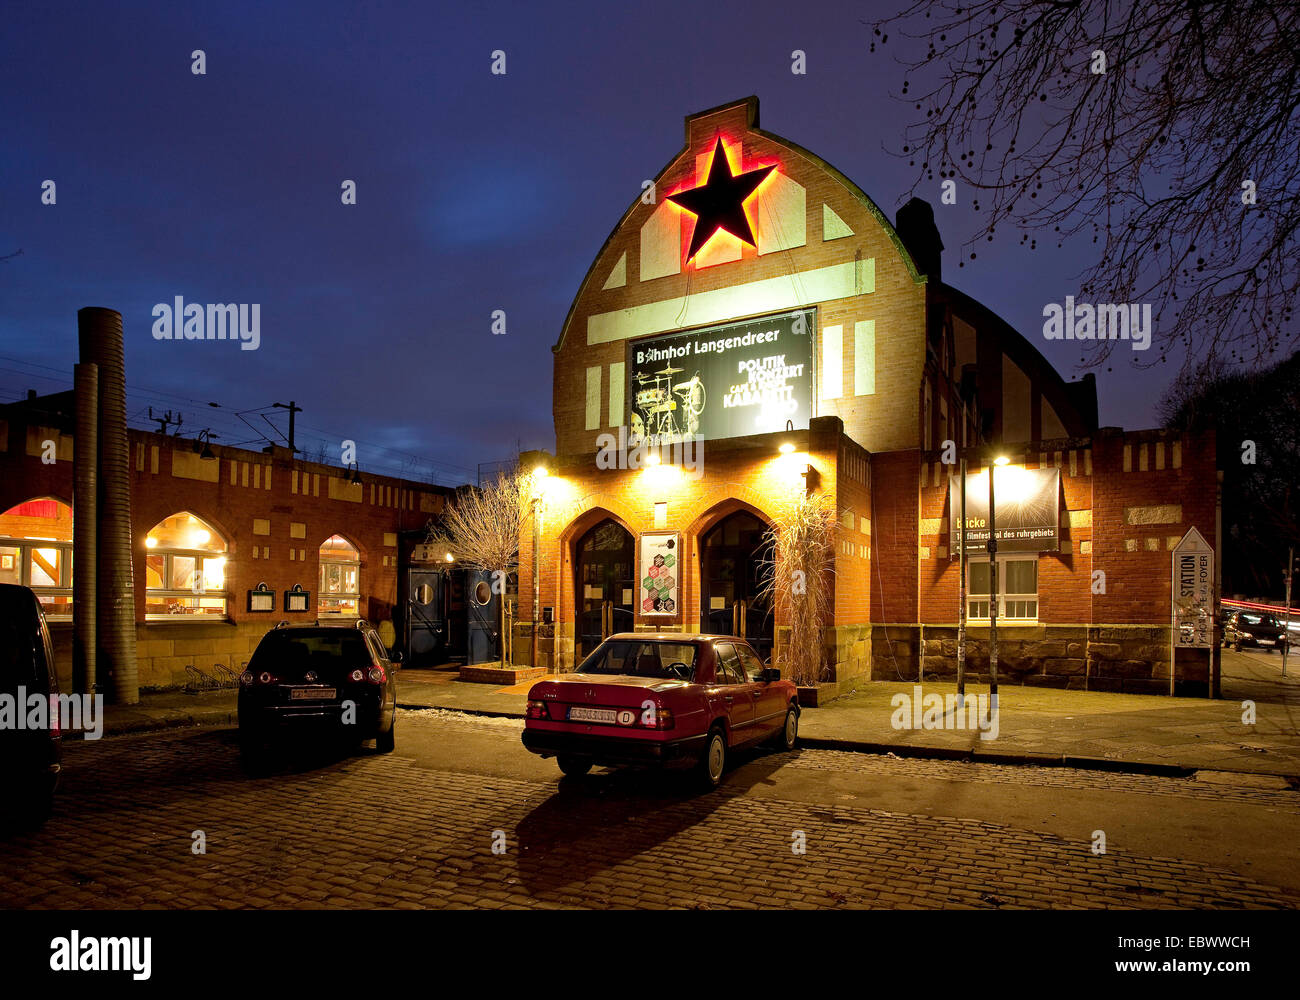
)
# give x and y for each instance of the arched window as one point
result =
(36, 552)
(185, 569)
(340, 577)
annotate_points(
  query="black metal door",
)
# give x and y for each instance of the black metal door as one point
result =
(735, 562)
(605, 584)
(484, 608)
(426, 618)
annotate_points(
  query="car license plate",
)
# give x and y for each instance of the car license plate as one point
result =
(1265, 642)
(311, 694)
(579, 714)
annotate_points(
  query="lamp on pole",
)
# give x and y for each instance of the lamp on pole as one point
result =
(539, 474)
(961, 593)
(993, 582)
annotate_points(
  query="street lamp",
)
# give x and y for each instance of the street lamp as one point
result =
(540, 473)
(993, 581)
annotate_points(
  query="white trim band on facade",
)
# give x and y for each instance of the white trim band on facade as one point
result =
(789, 291)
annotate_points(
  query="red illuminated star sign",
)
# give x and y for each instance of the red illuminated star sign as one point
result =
(719, 203)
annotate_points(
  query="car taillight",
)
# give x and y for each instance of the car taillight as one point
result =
(246, 678)
(376, 675)
(357, 676)
(266, 677)
(538, 710)
(661, 718)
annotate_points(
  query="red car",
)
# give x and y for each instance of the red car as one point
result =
(666, 698)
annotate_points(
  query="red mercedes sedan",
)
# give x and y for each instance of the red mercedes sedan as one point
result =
(662, 699)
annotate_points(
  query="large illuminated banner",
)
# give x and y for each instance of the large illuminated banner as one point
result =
(1029, 518)
(724, 381)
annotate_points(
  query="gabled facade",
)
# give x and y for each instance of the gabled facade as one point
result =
(754, 297)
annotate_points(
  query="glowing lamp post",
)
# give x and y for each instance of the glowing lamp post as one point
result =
(539, 475)
(993, 580)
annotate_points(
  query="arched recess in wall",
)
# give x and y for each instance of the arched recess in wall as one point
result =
(185, 570)
(339, 581)
(36, 552)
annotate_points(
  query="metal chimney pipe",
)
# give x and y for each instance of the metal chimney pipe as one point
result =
(85, 519)
(100, 335)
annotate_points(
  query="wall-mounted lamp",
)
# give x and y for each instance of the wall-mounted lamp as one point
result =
(203, 446)
(787, 447)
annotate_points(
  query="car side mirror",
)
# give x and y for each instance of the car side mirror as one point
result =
(769, 674)
(394, 657)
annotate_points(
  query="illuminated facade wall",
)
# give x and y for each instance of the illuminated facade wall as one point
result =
(891, 346)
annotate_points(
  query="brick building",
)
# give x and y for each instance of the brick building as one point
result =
(757, 299)
(208, 525)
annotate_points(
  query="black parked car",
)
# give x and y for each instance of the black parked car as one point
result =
(323, 681)
(29, 758)
(1257, 629)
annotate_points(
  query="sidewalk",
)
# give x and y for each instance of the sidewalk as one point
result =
(1036, 725)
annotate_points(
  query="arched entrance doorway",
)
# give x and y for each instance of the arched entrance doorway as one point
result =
(734, 563)
(605, 589)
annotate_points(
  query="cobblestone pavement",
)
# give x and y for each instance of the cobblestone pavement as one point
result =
(418, 829)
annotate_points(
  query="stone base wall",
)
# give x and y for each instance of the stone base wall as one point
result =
(164, 650)
(846, 657)
(555, 646)
(1124, 658)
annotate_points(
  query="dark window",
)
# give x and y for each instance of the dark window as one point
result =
(282, 649)
(752, 664)
(729, 669)
(642, 659)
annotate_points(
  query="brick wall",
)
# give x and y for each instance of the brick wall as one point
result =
(234, 498)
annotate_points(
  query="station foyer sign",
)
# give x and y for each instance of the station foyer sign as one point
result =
(1193, 592)
(723, 381)
(1028, 509)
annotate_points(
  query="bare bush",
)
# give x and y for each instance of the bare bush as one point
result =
(800, 581)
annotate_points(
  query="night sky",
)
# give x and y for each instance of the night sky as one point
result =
(475, 193)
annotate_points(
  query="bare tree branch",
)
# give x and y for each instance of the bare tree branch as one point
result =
(1150, 158)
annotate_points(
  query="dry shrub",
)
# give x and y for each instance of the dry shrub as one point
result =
(799, 581)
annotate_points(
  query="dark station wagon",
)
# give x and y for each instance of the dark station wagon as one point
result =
(30, 759)
(662, 699)
(327, 681)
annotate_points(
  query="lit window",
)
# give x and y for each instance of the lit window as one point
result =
(340, 577)
(36, 552)
(1017, 589)
(185, 570)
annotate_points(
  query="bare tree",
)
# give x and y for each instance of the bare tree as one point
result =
(1255, 414)
(482, 527)
(799, 583)
(1166, 130)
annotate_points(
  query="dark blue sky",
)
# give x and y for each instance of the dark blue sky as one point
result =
(475, 193)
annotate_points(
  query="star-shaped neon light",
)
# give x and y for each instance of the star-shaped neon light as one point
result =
(719, 203)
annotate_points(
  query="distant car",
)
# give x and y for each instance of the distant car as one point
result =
(320, 681)
(1254, 629)
(30, 759)
(662, 699)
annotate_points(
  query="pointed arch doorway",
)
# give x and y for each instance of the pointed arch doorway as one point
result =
(735, 560)
(605, 568)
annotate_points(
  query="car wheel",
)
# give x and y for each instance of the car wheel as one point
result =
(573, 767)
(714, 759)
(385, 742)
(788, 735)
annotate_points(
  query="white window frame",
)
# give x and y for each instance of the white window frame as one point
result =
(1016, 600)
(322, 595)
(23, 545)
